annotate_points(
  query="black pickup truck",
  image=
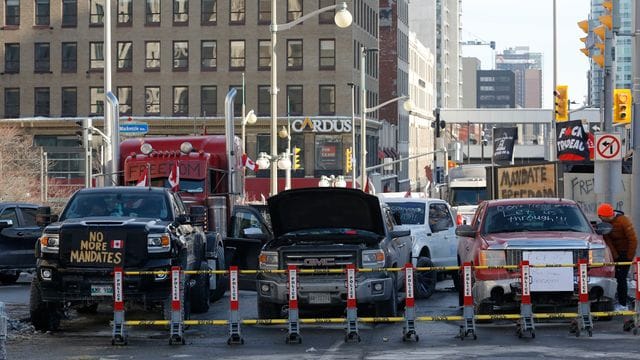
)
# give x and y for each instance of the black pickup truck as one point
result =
(18, 235)
(329, 228)
(137, 228)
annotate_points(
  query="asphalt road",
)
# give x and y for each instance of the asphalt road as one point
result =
(89, 338)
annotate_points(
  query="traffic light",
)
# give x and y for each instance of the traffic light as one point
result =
(82, 135)
(296, 158)
(348, 160)
(562, 102)
(621, 106)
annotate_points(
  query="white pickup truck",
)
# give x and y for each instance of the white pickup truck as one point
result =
(432, 226)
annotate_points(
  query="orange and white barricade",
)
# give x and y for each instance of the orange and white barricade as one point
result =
(469, 323)
(409, 329)
(234, 317)
(119, 334)
(526, 323)
(176, 325)
(584, 322)
(352, 307)
(293, 337)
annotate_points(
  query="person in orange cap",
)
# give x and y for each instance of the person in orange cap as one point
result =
(622, 242)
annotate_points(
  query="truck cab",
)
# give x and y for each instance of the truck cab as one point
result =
(466, 188)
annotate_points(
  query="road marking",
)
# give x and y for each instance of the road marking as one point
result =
(331, 352)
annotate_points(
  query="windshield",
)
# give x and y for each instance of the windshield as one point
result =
(145, 205)
(535, 217)
(186, 185)
(410, 213)
(467, 196)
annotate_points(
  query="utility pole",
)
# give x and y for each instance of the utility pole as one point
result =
(635, 123)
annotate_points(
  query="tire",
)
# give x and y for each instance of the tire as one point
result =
(425, 281)
(45, 316)
(200, 292)
(602, 306)
(222, 281)
(388, 308)
(267, 310)
(9, 278)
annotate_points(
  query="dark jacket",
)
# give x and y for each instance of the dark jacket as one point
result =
(622, 239)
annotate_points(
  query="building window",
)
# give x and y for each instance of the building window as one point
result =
(41, 102)
(12, 12)
(69, 57)
(152, 55)
(42, 57)
(96, 13)
(264, 100)
(125, 56)
(96, 101)
(125, 100)
(294, 10)
(96, 56)
(209, 55)
(180, 55)
(236, 15)
(152, 100)
(69, 13)
(42, 12)
(12, 58)
(208, 100)
(327, 54)
(180, 100)
(69, 102)
(294, 54)
(264, 54)
(264, 11)
(236, 55)
(125, 12)
(327, 16)
(152, 12)
(11, 103)
(327, 100)
(180, 11)
(209, 12)
(294, 94)
(237, 102)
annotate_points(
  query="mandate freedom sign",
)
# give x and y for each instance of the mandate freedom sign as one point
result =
(526, 181)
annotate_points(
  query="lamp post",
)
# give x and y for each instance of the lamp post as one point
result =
(353, 137)
(342, 19)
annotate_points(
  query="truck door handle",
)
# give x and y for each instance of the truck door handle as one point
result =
(19, 233)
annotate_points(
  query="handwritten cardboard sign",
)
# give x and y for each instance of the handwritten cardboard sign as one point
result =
(526, 181)
(550, 278)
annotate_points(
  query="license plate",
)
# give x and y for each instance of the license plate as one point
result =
(319, 298)
(101, 290)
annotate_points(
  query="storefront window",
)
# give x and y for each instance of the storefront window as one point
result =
(329, 157)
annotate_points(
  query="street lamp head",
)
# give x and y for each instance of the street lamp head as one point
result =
(343, 17)
(250, 118)
(407, 105)
(284, 162)
(283, 133)
(263, 161)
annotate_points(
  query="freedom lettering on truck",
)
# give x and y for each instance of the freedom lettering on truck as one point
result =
(525, 181)
(96, 249)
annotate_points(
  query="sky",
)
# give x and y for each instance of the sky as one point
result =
(512, 23)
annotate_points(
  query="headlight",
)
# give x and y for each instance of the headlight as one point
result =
(157, 243)
(373, 258)
(50, 243)
(268, 260)
(596, 255)
(492, 258)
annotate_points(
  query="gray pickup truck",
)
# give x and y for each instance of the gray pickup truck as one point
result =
(329, 228)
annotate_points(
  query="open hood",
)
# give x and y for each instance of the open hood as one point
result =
(322, 208)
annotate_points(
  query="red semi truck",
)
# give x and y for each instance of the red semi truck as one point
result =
(206, 178)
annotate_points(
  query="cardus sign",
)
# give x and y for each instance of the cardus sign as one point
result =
(321, 125)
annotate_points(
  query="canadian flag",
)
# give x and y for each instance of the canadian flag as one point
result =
(117, 244)
(143, 179)
(174, 177)
(408, 194)
(248, 163)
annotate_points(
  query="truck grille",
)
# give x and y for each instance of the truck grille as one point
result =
(331, 260)
(514, 256)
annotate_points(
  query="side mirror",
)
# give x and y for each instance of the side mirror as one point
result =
(198, 215)
(465, 231)
(603, 228)
(44, 216)
(399, 233)
(6, 224)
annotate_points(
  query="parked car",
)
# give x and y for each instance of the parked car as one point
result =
(434, 242)
(19, 233)
(543, 231)
(328, 228)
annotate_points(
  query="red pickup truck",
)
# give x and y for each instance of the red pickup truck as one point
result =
(542, 231)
